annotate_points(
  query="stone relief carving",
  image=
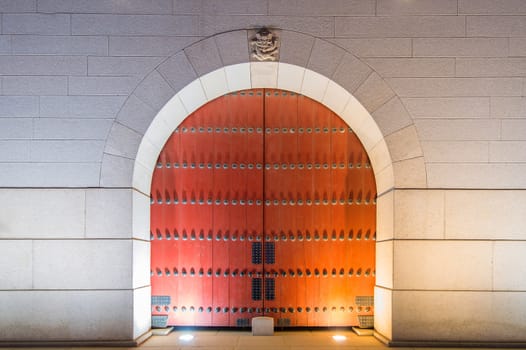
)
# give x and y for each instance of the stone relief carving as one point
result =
(264, 46)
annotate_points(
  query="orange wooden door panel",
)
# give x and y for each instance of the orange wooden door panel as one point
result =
(263, 202)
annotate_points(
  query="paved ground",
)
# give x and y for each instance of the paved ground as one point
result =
(237, 340)
(227, 340)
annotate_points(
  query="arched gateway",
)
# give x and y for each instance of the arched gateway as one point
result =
(263, 202)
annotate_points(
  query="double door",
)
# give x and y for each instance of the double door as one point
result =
(263, 203)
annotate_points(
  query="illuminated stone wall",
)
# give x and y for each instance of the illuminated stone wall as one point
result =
(432, 88)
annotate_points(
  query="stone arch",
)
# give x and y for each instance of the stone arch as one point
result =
(308, 65)
(311, 66)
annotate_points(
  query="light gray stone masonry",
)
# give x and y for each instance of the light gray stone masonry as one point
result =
(234, 7)
(148, 45)
(315, 26)
(491, 7)
(103, 6)
(327, 8)
(438, 98)
(121, 66)
(50, 24)
(5, 44)
(16, 128)
(325, 57)
(34, 85)
(73, 129)
(80, 106)
(112, 86)
(19, 106)
(7, 6)
(421, 7)
(461, 47)
(59, 45)
(43, 65)
(396, 27)
(495, 26)
(232, 47)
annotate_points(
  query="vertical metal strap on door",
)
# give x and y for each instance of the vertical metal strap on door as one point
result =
(263, 202)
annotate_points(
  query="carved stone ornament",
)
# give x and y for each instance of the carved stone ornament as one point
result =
(264, 46)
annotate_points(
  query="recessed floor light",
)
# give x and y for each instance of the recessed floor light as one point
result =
(186, 337)
(338, 337)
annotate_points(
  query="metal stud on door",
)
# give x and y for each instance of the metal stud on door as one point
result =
(263, 202)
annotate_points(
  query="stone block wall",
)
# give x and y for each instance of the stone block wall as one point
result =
(437, 99)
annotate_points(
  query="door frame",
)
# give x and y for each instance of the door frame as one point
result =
(287, 77)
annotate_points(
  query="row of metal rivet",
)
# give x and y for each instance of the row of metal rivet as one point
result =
(259, 166)
(259, 130)
(268, 202)
(282, 310)
(191, 272)
(276, 237)
(267, 93)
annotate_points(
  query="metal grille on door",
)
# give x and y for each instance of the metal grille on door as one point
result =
(263, 202)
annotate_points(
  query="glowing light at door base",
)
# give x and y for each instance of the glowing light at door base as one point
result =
(186, 337)
(339, 337)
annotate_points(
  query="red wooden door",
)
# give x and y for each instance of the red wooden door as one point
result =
(263, 203)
